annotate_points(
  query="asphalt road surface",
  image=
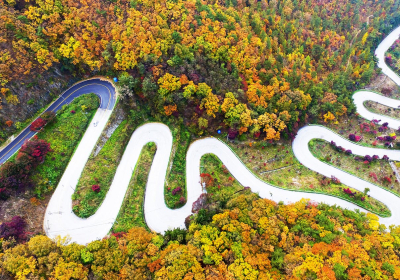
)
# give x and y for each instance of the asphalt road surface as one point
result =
(102, 88)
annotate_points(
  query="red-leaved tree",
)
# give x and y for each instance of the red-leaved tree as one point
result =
(37, 124)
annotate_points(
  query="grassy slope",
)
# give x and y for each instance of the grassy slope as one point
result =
(131, 212)
(64, 134)
(325, 152)
(100, 170)
(283, 169)
(351, 125)
(378, 108)
(176, 176)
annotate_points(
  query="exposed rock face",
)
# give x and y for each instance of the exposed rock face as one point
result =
(32, 95)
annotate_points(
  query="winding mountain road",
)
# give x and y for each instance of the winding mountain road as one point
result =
(102, 88)
(60, 220)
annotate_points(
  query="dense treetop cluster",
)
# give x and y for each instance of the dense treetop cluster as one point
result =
(243, 237)
(257, 66)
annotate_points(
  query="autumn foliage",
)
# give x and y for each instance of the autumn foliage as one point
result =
(15, 175)
(250, 238)
(261, 67)
(37, 124)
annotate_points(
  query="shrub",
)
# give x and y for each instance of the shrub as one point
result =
(325, 181)
(86, 256)
(385, 157)
(15, 228)
(4, 194)
(207, 179)
(48, 116)
(41, 245)
(96, 188)
(373, 175)
(16, 175)
(176, 190)
(348, 152)
(387, 179)
(176, 234)
(364, 127)
(348, 191)
(333, 144)
(204, 216)
(368, 158)
(33, 152)
(232, 133)
(354, 137)
(375, 157)
(37, 124)
(335, 180)
(388, 138)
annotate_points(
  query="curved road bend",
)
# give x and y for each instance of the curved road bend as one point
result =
(364, 95)
(102, 88)
(60, 220)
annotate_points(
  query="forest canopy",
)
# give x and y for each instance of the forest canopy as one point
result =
(243, 237)
(253, 66)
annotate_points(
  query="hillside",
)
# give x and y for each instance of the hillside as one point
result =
(234, 237)
(255, 66)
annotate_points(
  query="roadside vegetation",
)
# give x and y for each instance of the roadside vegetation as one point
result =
(392, 57)
(217, 177)
(100, 169)
(175, 182)
(376, 171)
(99, 172)
(368, 131)
(276, 164)
(62, 134)
(131, 213)
(382, 109)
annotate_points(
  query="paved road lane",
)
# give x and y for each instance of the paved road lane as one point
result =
(102, 88)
